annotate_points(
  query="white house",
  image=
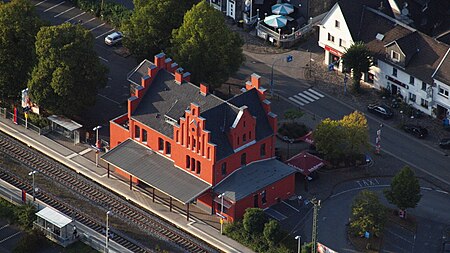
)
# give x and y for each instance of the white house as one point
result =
(407, 62)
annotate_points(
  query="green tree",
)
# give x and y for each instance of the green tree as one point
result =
(368, 214)
(357, 58)
(405, 190)
(206, 47)
(293, 114)
(68, 74)
(254, 220)
(328, 138)
(19, 25)
(149, 29)
(272, 233)
(26, 215)
(356, 133)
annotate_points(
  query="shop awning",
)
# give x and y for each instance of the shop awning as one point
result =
(54, 217)
(154, 169)
(306, 163)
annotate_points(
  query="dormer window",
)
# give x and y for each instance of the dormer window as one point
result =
(337, 24)
(395, 56)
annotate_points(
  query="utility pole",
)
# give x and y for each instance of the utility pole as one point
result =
(316, 204)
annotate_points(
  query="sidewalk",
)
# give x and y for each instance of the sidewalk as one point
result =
(78, 161)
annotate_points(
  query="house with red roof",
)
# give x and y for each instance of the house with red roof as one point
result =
(195, 147)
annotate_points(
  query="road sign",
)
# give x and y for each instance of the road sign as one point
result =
(221, 216)
(221, 221)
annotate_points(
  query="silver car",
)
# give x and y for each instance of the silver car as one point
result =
(113, 39)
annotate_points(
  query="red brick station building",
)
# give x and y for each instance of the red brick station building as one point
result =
(195, 147)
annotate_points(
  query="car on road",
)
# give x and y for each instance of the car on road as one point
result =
(418, 131)
(444, 143)
(380, 110)
(113, 39)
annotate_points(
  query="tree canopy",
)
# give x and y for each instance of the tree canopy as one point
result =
(149, 29)
(368, 214)
(342, 138)
(206, 47)
(254, 220)
(68, 73)
(19, 25)
(405, 190)
(358, 59)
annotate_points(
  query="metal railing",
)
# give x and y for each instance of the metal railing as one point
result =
(27, 124)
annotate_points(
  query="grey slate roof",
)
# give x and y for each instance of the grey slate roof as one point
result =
(252, 178)
(353, 12)
(443, 72)
(429, 52)
(165, 97)
(156, 171)
(140, 71)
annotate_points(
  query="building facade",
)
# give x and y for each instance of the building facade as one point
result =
(196, 147)
(407, 63)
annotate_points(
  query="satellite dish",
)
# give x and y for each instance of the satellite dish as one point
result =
(405, 12)
(248, 2)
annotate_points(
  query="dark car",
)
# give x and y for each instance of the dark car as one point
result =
(415, 130)
(381, 110)
(445, 143)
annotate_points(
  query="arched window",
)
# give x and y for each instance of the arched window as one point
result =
(244, 159)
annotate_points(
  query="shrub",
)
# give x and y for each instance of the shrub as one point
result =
(25, 215)
(272, 232)
(293, 130)
(38, 120)
(113, 13)
(254, 220)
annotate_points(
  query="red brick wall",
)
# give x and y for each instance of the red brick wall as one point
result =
(118, 133)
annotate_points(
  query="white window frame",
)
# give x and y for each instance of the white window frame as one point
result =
(443, 92)
(395, 56)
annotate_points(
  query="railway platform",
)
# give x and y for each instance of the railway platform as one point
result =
(81, 158)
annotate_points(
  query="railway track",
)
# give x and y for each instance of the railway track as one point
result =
(99, 196)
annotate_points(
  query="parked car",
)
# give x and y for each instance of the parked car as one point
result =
(418, 131)
(381, 110)
(113, 39)
(445, 143)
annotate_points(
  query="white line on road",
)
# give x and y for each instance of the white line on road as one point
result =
(75, 16)
(9, 237)
(104, 33)
(71, 155)
(54, 6)
(289, 205)
(101, 58)
(107, 98)
(85, 151)
(301, 99)
(89, 20)
(296, 101)
(315, 92)
(41, 2)
(311, 94)
(399, 236)
(306, 97)
(5, 226)
(63, 12)
(92, 29)
(441, 191)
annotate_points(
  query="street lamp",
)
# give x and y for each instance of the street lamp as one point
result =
(221, 212)
(34, 189)
(97, 144)
(401, 113)
(299, 238)
(288, 58)
(107, 232)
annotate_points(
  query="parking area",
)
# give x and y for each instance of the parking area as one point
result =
(292, 208)
(9, 236)
(398, 239)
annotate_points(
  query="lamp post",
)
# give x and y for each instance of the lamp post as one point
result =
(34, 189)
(401, 113)
(299, 238)
(221, 212)
(97, 144)
(107, 232)
(288, 58)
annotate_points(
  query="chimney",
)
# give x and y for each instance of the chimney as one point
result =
(152, 70)
(204, 89)
(145, 81)
(160, 60)
(139, 92)
(187, 76)
(179, 75)
(172, 67)
(132, 102)
(168, 62)
(256, 80)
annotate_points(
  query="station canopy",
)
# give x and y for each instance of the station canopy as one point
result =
(54, 217)
(64, 122)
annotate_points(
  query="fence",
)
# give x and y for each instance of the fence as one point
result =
(23, 122)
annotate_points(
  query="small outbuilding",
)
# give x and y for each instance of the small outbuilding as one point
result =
(56, 226)
(66, 127)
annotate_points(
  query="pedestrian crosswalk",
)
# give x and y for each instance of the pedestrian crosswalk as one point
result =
(306, 97)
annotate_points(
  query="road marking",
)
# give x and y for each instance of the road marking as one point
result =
(306, 97)
(311, 94)
(104, 33)
(75, 16)
(5, 226)
(399, 236)
(426, 188)
(301, 99)
(275, 214)
(359, 188)
(41, 2)
(89, 20)
(63, 12)
(71, 155)
(289, 205)
(367, 182)
(9, 237)
(101, 58)
(107, 98)
(85, 151)
(441, 191)
(296, 101)
(316, 93)
(54, 6)
(92, 29)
